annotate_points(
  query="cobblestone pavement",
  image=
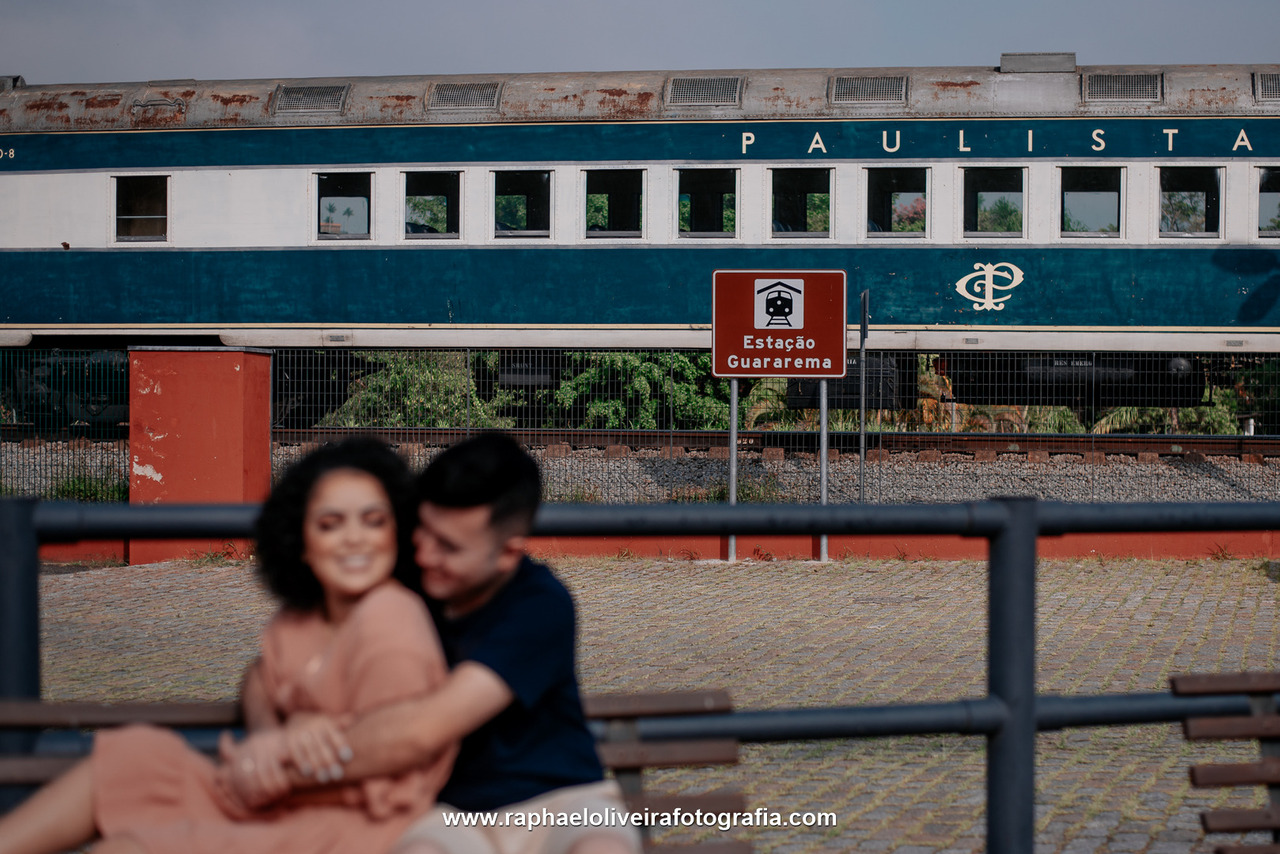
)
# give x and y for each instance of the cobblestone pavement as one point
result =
(785, 634)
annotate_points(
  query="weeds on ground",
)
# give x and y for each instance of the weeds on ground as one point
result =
(762, 490)
(85, 488)
(577, 494)
(216, 557)
(1220, 552)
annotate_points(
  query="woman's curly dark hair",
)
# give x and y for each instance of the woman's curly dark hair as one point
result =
(280, 526)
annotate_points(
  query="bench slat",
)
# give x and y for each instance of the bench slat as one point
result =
(1238, 727)
(598, 706)
(32, 770)
(624, 756)
(34, 714)
(667, 754)
(1238, 821)
(1256, 682)
(726, 801)
(1265, 772)
(701, 848)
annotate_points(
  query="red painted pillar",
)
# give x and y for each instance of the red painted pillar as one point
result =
(199, 433)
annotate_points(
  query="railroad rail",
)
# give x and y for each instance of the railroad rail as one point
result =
(1165, 445)
(845, 442)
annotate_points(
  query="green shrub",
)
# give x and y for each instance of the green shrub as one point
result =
(751, 490)
(672, 390)
(86, 488)
(418, 389)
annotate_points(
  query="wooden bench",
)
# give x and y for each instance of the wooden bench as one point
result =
(1264, 725)
(622, 752)
(615, 715)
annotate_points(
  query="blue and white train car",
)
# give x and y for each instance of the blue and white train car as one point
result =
(1039, 205)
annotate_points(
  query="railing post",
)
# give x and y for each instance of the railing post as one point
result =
(1011, 678)
(19, 622)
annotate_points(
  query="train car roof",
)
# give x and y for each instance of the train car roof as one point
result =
(1022, 85)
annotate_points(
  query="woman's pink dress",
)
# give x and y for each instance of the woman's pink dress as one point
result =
(151, 786)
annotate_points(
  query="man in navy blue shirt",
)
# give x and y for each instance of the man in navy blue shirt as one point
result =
(508, 628)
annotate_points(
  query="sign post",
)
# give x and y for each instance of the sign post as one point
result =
(778, 323)
(862, 395)
(823, 446)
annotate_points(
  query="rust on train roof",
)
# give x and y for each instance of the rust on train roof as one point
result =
(624, 104)
(233, 100)
(785, 94)
(46, 104)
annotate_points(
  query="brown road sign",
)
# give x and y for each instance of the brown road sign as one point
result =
(778, 323)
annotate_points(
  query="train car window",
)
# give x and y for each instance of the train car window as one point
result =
(142, 207)
(522, 204)
(343, 210)
(801, 202)
(992, 202)
(1269, 202)
(432, 204)
(897, 202)
(708, 205)
(615, 202)
(1091, 200)
(1189, 200)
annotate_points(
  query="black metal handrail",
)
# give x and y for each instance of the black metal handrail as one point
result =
(1009, 716)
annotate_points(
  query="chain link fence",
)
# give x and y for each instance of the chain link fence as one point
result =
(641, 426)
(64, 424)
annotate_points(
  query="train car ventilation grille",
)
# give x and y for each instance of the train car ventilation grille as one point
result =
(1267, 87)
(704, 91)
(858, 90)
(465, 96)
(310, 99)
(1122, 87)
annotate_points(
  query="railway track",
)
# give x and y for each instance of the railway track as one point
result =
(759, 440)
(845, 442)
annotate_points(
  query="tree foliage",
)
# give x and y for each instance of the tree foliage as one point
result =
(1071, 224)
(1182, 211)
(675, 390)
(429, 211)
(818, 212)
(415, 388)
(728, 223)
(1002, 215)
(909, 215)
(671, 390)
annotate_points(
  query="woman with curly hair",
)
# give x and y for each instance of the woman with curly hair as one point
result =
(352, 634)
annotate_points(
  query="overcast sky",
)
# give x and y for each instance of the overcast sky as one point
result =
(91, 41)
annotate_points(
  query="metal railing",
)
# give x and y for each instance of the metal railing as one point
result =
(1008, 716)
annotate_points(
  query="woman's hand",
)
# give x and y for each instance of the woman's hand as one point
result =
(316, 746)
(253, 770)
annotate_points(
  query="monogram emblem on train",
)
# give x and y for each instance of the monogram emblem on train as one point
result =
(981, 287)
(779, 303)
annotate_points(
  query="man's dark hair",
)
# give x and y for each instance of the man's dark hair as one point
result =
(490, 469)
(280, 525)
